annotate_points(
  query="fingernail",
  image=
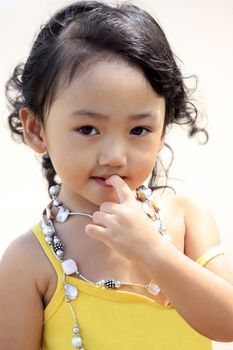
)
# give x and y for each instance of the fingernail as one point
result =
(108, 183)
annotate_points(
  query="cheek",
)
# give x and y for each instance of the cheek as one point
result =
(147, 156)
(147, 166)
(70, 164)
(143, 169)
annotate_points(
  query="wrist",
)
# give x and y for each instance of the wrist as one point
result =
(152, 260)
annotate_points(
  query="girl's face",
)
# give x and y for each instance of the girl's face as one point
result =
(107, 121)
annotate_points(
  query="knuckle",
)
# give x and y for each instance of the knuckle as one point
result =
(96, 217)
(126, 210)
(108, 207)
(89, 229)
(104, 206)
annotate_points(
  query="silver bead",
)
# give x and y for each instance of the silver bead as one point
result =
(75, 329)
(157, 224)
(162, 227)
(77, 341)
(143, 193)
(56, 240)
(48, 228)
(56, 202)
(59, 253)
(118, 284)
(49, 240)
(100, 283)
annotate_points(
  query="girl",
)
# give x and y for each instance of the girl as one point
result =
(107, 267)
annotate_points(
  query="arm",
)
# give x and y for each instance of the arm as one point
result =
(21, 309)
(203, 296)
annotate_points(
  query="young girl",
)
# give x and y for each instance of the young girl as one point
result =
(107, 267)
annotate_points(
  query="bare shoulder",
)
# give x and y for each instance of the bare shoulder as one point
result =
(22, 245)
(25, 258)
(193, 213)
(22, 285)
(200, 231)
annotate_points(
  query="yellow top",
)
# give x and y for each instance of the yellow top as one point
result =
(210, 254)
(112, 319)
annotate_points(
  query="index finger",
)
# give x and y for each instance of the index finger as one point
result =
(123, 191)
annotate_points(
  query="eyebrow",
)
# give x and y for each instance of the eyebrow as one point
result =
(88, 113)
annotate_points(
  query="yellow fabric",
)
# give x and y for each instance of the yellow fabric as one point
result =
(113, 319)
(210, 254)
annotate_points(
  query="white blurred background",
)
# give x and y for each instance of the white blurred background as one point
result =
(200, 33)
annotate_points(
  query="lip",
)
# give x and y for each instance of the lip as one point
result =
(101, 181)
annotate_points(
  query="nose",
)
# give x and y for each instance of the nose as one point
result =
(113, 153)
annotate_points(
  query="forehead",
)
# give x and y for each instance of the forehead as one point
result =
(113, 89)
(107, 79)
(102, 65)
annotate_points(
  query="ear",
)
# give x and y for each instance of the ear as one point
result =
(33, 130)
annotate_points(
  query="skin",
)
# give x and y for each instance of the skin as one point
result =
(123, 151)
(112, 147)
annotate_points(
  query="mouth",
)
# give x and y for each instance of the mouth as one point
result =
(107, 177)
(101, 180)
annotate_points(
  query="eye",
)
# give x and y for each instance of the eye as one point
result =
(139, 131)
(87, 130)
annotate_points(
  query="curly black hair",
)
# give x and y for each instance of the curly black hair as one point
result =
(81, 34)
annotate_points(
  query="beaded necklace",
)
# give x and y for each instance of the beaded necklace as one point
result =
(70, 267)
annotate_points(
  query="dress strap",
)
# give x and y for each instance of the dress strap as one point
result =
(210, 254)
(53, 259)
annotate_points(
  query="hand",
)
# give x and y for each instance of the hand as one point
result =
(124, 226)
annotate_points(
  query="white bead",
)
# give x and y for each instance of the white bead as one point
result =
(71, 292)
(77, 341)
(69, 266)
(153, 288)
(62, 214)
(54, 190)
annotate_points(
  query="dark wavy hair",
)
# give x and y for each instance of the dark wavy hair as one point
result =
(78, 36)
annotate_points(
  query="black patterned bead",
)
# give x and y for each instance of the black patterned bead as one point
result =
(58, 246)
(109, 283)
